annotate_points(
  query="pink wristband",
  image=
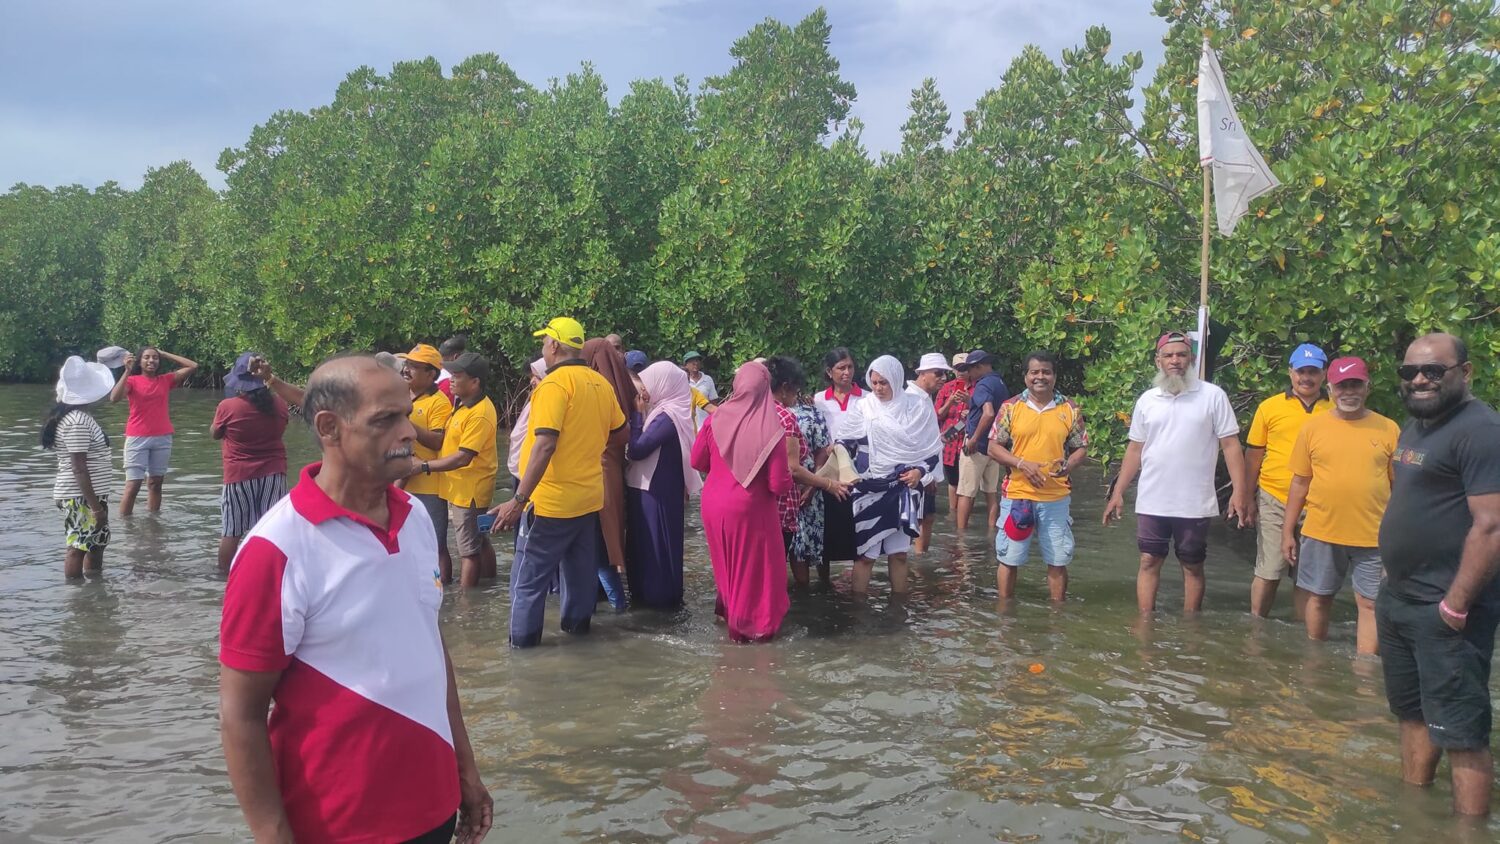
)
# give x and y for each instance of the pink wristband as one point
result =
(1443, 605)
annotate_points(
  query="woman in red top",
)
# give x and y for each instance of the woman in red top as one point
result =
(249, 424)
(148, 429)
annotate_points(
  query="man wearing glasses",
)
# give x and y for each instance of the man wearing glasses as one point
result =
(1440, 541)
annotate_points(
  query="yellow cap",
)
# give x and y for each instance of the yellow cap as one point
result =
(423, 353)
(565, 330)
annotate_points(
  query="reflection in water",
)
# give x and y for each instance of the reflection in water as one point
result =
(941, 717)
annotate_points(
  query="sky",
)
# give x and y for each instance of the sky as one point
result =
(97, 91)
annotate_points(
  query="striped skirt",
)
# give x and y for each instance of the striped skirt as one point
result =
(241, 504)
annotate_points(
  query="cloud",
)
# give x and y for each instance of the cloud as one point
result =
(99, 91)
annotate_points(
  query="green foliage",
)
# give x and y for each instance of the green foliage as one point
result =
(746, 218)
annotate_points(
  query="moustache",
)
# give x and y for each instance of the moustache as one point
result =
(399, 454)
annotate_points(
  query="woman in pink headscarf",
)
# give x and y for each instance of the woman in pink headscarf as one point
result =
(740, 517)
(658, 482)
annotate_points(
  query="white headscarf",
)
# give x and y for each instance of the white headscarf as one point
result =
(81, 383)
(672, 397)
(523, 420)
(902, 431)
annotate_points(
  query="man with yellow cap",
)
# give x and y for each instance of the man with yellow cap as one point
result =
(430, 411)
(574, 416)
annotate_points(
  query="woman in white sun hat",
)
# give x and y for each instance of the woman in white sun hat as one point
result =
(85, 472)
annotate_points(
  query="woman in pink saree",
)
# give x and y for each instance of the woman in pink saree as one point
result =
(740, 519)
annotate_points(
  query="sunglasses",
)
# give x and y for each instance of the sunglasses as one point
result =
(1430, 371)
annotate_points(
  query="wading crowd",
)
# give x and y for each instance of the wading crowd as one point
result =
(331, 606)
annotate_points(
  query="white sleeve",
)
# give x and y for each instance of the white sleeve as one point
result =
(1225, 425)
(1137, 427)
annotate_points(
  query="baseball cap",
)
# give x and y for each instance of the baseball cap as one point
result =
(933, 360)
(960, 359)
(423, 353)
(472, 364)
(1308, 355)
(636, 360)
(1021, 520)
(1173, 337)
(691, 356)
(975, 358)
(1347, 369)
(565, 330)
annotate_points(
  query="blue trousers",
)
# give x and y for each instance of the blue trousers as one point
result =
(546, 549)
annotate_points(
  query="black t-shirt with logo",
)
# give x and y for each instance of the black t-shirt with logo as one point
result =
(1438, 466)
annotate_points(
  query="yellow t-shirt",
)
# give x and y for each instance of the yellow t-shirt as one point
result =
(1349, 462)
(428, 413)
(1277, 422)
(580, 406)
(1045, 437)
(472, 427)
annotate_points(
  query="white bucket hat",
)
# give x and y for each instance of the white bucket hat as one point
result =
(112, 356)
(81, 382)
(933, 360)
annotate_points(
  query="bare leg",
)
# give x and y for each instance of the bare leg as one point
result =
(227, 546)
(153, 493)
(73, 563)
(994, 501)
(800, 574)
(1005, 580)
(1419, 756)
(487, 565)
(445, 561)
(127, 501)
(1262, 595)
(861, 576)
(469, 571)
(925, 540)
(1319, 607)
(95, 562)
(965, 507)
(1299, 604)
(952, 499)
(1057, 583)
(1193, 584)
(1367, 641)
(1473, 777)
(898, 569)
(1146, 582)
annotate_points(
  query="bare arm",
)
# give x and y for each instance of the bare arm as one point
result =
(801, 475)
(117, 394)
(508, 514)
(244, 699)
(1255, 456)
(456, 460)
(985, 419)
(1296, 499)
(1481, 556)
(79, 462)
(430, 439)
(1239, 502)
(1129, 468)
(290, 393)
(185, 367)
(476, 809)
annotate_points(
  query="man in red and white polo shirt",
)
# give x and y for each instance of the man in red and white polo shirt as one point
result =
(332, 612)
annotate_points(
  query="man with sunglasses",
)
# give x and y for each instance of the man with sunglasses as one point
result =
(1440, 542)
(1176, 433)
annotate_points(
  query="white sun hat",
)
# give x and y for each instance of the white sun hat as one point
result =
(933, 360)
(81, 382)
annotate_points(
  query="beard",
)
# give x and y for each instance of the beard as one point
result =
(1174, 384)
(1434, 404)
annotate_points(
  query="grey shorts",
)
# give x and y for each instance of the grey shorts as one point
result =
(147, 456)
(1322, 567)
(465, 522)
(437, 510)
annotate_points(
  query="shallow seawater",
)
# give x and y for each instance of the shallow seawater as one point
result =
(940, 718)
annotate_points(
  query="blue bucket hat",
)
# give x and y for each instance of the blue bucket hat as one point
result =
(239, 380)
(1308, 355)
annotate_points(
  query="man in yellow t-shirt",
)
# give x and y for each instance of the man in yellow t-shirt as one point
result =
(1039, 435)
(574, 416)
(1268, 454)
(430, 411)
(469, 461)
(1341, 470)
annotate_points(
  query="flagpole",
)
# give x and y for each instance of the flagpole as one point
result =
(1203, 284)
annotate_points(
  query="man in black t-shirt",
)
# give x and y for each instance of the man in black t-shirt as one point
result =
(1440, 604)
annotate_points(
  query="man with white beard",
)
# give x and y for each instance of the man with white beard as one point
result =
(1176, 431)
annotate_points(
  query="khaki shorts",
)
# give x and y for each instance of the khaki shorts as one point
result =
(978, 473)
(1269, 564)
(465, 521)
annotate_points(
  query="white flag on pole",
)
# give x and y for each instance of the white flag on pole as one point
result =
(1240, 174)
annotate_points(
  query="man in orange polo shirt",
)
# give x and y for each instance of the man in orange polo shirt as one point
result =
(430, 411)
(1341, 470)
(1268, 455)
(1039, 436)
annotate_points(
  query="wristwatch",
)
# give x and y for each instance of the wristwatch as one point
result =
(426, 469)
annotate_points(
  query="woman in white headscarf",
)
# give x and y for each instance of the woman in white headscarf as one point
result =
(904, 453)
(518, 431)
(658, 480)
(85, 472)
